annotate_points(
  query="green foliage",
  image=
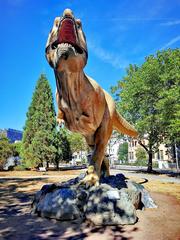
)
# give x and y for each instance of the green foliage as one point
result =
(17, 149)
(65, 145)
(6, 150)
(143, 163)
(42, 147)
(40, 127)
(20, 168)
(62, 146)
(169, 98)
(123, 152)
(141, 154)
(77, 142)
(149, 97)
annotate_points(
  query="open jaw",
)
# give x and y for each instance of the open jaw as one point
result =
(68, 37)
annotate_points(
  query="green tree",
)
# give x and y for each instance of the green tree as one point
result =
(65, 144)
(59, 150)
(77, 142)
(40, 127)
(141, 154)
(169, 100)
(17, 149)
(62, 145)
(145, 96)
(6, 150)
(123, 152)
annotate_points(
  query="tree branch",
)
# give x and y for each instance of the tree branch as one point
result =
(140, 143)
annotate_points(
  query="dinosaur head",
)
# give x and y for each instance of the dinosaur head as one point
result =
(66, 47)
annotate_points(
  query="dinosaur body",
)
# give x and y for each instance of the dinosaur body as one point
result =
(82, 104)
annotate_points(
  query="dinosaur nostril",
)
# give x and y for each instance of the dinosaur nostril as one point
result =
(68, 13)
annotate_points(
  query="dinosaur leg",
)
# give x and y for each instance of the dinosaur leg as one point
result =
(105, 168)
(98, 143)
(98, 157)
(60, 114)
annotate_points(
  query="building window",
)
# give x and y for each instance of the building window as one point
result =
(131, 155)
(158, 155)
(161, 155)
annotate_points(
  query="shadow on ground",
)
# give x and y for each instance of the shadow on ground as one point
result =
(16, 221)
(168, 173)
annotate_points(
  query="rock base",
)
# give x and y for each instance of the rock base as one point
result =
(113, 202)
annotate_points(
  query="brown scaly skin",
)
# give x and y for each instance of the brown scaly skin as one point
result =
(83, 105)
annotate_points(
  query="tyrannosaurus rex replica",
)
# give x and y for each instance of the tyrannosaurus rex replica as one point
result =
(82, 104)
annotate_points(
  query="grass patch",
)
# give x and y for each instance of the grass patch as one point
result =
(169, 188)
(37, 173)
(59, 176)
(164, 187)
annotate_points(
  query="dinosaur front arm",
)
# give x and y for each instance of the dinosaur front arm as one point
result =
(60, 114)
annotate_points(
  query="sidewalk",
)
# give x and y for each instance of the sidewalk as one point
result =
(173, 172)
(141, 173)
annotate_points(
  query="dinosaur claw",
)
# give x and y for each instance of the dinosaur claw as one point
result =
(91, 179)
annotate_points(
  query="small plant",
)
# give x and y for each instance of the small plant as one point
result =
(19, 168)
(6, 150)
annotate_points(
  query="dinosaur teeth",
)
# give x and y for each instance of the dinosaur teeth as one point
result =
(64, 46)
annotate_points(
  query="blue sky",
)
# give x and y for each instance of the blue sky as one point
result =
(118, 33)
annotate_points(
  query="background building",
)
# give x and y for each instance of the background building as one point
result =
(79, 158)
(162, 156)
(12, 134)
(113, 147)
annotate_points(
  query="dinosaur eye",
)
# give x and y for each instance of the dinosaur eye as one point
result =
(78, 21)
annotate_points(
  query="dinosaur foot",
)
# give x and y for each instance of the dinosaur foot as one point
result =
(91, 179)
(60, 122)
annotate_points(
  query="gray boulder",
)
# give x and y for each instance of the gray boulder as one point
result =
(113, 202)
(60, 204)
(145, 199)
(106, 206)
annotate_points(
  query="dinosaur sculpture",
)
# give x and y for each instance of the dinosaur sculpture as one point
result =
(82, 104)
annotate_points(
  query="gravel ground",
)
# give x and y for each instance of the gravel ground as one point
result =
(16, 221)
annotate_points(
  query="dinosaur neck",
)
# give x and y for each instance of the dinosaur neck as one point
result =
(69, 83)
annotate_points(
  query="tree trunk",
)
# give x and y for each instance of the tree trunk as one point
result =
(150, 154)
(149, 169)
(57, 164)
(47, 165)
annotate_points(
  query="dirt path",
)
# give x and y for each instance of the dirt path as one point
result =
(16, 222)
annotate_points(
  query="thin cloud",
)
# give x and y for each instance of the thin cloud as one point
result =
(171, 23)
(108, 57)
(133, 19)
(171, 42)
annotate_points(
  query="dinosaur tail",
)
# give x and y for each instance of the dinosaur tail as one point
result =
(121, 125)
